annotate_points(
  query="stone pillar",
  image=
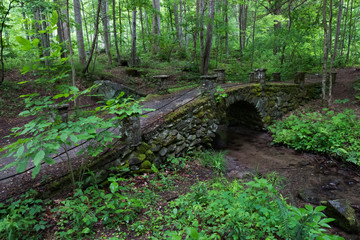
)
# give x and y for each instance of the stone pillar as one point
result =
(160, 82)
(220, 75)
(333, 77)
(132, 131)
(251, 77)
(299, 77)
(260, 75)
(59, 110)
(208, 85)
(276, 76)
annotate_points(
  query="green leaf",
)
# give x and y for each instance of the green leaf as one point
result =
(35, 42)
(26, 44)
(39, 157)
(54, 18)
(36, 170)
(20, 151)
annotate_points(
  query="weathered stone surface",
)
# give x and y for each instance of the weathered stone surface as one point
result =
(108, 90)
(163, 152)
(344, 214)
(309, 195)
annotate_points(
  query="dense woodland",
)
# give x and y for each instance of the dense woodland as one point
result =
(282, 36)
(61, 47)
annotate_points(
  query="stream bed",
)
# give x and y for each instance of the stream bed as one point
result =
(308, 178)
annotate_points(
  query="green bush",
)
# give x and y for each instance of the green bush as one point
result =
(22, 219)
(231, 210)
(325, 132)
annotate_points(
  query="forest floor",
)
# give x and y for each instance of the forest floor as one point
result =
(10, 107)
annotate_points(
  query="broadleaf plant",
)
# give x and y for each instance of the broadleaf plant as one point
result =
(43, 137)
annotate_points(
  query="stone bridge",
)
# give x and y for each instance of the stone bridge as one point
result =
(181, 123)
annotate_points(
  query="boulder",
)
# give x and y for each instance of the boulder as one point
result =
(343, 213)
(108, 90)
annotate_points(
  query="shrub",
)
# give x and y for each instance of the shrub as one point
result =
(326, 132)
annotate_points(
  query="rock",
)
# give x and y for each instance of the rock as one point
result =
(309, 195)
(146, 165)
(344, 214)
(163, 152)
(134, 161)
(108, 90)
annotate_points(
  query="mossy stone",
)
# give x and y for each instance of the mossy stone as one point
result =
(146, 165)
(142, 157)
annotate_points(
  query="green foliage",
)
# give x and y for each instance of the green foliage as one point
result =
(220, 94)
(80, 214)
(326, 132)
(230, 210)
(49, 132)
(23, 218)
(213, 159)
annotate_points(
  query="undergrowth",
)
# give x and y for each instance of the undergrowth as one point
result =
(327, 132)
(145, 207)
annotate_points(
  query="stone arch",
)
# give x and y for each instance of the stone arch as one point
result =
(244, 113)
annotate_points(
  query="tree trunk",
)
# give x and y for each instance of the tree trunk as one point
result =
(205, 61)
(73, 73)
(142, 29)
(115, 33)
(121, 32)
(337, 33)
(105, 22)
(201, 21)
(181, 38)
(177, 25)
(86, 26)
(253, 37)
(60, 30)
(350, 36)
(195, 33)
(344, 32)
(325, 53)
(95, 38)
(330, 47)
(2, 27)
(226, 28)
(133, 38)
(156, 25)
(79, 32)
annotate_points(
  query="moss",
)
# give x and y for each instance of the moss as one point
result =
(146, 165)
(143, 148)
(187, 108)
(142, 157)
(267, 120)
(149, 153)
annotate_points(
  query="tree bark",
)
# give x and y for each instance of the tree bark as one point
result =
(73, 73)
(226, 28)
(133, 38)
(86, 26)
(177, 25)
(201, 23)
(253, 37)
(350, 36)
(344, 32)
(95, 38)
(2, 27)
(156, 25)
(115, 32)
(61, 30)
(337, 33)
(105, 22)
(79, 32)
(205, 61)
(142, 29)
(325, 53)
